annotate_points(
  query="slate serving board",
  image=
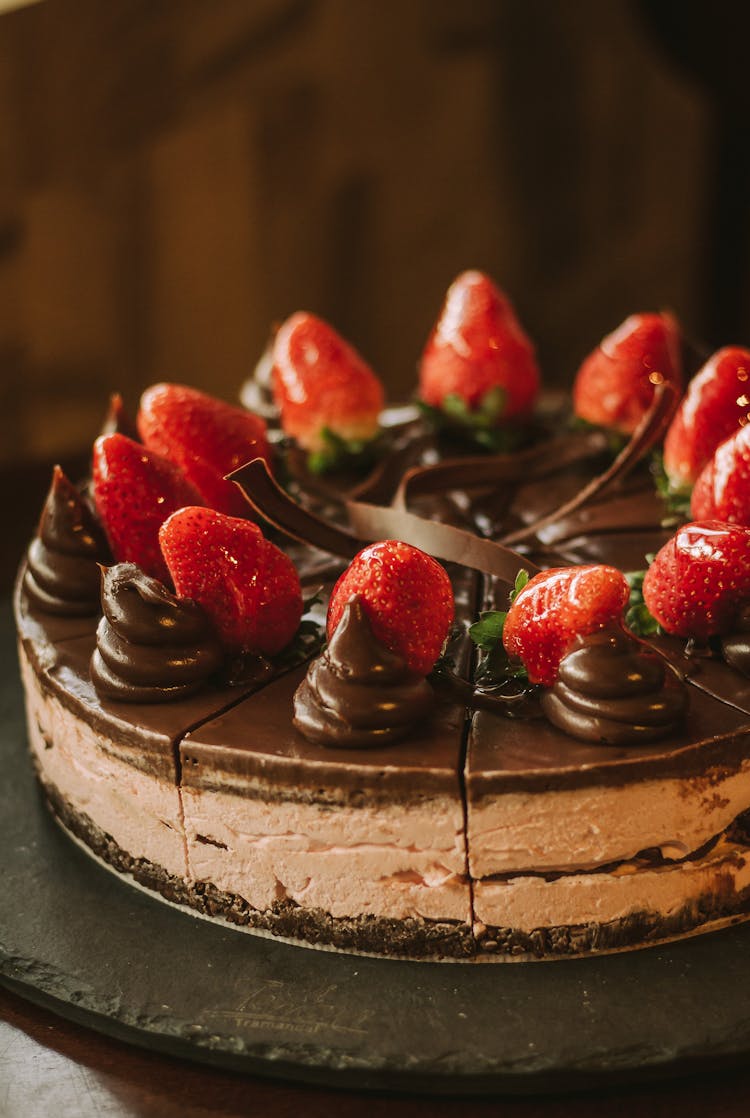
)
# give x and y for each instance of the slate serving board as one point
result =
(78, 940)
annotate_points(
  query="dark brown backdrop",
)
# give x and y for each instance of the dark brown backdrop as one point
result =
(174, 176)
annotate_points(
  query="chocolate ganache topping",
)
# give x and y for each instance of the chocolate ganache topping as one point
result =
(150, 646)
(62, 576)
(736, 645)
(610, 690)
(358, 693)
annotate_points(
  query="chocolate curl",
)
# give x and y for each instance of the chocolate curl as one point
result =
(372, 523)
(646, 435)
(488, 471)
(443, 541)
(621, 514)
(381, 484)
(271, 502)
(118, 421)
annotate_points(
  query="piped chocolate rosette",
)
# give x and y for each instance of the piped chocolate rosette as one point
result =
(62, 575)
(151, 647)
(735, 646)
(599, 683)
(359, 694)
(611, 690)
(388, 619)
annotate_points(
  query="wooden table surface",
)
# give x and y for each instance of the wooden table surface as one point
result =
(50, 1068)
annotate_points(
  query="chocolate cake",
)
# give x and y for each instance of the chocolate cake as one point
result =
(332, 796)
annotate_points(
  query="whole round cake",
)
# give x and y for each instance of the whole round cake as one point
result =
(466, 679)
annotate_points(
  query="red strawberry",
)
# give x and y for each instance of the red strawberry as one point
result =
(716, 403)
(698, 581)
(246, 584)
(135, 490)
(722, 491)
(554, 608)
(320, 383)
(478, 347)
(205, 437)
(407, 597)
(614, 386)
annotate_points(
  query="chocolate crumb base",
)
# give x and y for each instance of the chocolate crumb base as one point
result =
(638, 929)
(412, 936)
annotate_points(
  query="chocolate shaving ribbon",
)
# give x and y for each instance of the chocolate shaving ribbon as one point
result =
(646, 435)
(371, 523)
(444, 541)
(488, 471)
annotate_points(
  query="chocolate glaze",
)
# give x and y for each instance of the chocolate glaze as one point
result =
(150, 645)
(735, 646)
(358, 694)
(62, 576)
(611, 690)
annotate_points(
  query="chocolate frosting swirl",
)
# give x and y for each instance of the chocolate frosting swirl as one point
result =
(736, 645)
(117, 421)
(610, 690)
(62, 576)
(358, 693)
(150, 646)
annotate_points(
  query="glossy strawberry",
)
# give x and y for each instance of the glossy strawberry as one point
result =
(716, 403)
(246, 584)
(722, 491)
(135, 490)
(207, 438)
(478, 354)
(322, 386)
(698, 581)
(615, 385)
(407, 597)
(556, 606)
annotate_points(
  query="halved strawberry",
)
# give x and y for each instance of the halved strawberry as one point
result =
(478, 359)
(134, 491)
(614, 386)
(722, 491)
(407, 597)
(716, 403)
(247, 585)
(325, 391)
(700, 578)
(207, 438)
(554, 608)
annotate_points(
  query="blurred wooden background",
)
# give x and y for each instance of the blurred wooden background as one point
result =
(176, 175)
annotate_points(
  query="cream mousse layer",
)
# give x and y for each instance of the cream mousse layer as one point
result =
(112, 762)
(348, 862)
(355, 832)
(539, 800)
(580, 829)
(97, 778)
(527, 903)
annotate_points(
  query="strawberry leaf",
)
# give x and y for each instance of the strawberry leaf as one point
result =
(521, 579)
(481, 427)
(638, 619)
(338, 453)
(676, 499)
(487, 632)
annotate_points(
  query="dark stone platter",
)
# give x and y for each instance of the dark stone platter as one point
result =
(76, 939)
